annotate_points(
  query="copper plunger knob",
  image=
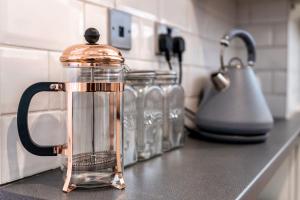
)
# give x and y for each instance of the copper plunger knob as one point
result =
(91, 35)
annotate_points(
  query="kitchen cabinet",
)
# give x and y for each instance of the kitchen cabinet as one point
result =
(284, 183)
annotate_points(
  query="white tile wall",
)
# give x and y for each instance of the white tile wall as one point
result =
(277, 105)
(34, 24)
(280, 34)
(267, 35)
(225, 9)
(211, 19)
(147, 40)
(136, 64)
(268, 11)
(142, 31)
(19, 68)
(194, 84)
(197, 18)
(142, 8)
(194, 54)
(271, 58)
(279, 82)
(56, 70)
(267, 20)
(106, 3)
(17, 162)
(135, 39)
(293, 72)
(243, 12)
(56, 73)
(169, 12)
(97, 17)
(164, 65)
(265, 80)
(211, 54)
(216, 27)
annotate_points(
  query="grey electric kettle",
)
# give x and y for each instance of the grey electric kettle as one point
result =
(235, 109)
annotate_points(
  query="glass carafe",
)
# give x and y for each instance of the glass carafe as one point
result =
(93, 153)
(149, 113)
(173, 111)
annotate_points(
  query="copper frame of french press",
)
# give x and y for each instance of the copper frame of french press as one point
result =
(67, 149)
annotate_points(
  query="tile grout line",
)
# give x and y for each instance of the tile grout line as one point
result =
(27, 47)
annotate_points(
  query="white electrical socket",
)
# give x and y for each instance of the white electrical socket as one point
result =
(120, 29)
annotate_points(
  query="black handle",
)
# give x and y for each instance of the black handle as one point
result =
(91, 35)
(246, 37)
(22, 118)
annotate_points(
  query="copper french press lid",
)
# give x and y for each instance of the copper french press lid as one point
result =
(91, 54)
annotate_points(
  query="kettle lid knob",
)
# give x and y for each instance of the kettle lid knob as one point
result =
(91, 35)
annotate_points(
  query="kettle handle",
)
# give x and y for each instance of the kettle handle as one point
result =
(22, 119)
(248, 40)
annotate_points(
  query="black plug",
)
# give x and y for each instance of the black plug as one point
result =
(165, 45)
(178, 49)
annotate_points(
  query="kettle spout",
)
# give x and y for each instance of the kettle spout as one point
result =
(220, 82)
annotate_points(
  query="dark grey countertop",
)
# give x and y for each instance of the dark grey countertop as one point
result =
(200, 170)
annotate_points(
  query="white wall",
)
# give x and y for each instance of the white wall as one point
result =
(293, 89)
(33, 33)
(267, 21)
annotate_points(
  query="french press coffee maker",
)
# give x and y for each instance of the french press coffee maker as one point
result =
(92, 155)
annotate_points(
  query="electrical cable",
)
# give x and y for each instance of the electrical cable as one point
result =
(178, 49)
(170, 65)
(189, 112)
(180, 67)
(168, 59)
